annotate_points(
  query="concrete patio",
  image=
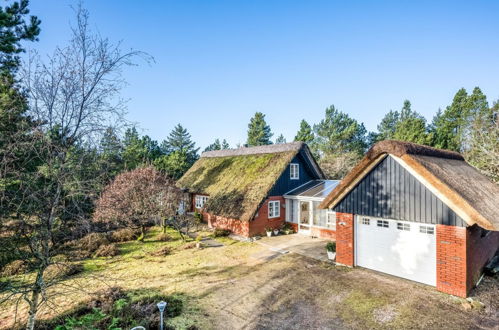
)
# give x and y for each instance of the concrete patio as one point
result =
(300, 244)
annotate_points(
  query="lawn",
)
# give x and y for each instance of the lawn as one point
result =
(226, 288)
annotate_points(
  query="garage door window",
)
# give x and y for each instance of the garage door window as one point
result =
(383, 223)
(426, 230)
(403, 226)
(366, 221)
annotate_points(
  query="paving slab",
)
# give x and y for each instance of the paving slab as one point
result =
(296, 243)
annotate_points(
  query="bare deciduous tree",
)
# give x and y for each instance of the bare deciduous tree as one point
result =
(73, 97)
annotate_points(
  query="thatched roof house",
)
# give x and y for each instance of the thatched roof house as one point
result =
(239, 181)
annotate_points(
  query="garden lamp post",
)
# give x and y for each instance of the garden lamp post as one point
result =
(161, 305)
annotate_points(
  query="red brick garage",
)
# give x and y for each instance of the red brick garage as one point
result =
(429, 202)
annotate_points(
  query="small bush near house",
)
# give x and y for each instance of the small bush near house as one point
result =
(218, 232)
(85, 247)
(198, 216)
(124, 235)
(162, 252)
(331, 246)
(16, 267)
(61, 270)
(287, 228)
(107, 250)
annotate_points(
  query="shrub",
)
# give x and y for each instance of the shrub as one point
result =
(106, 299)
(124, 235)
(162, 251)
(219, 232)
(331, 246)
(107, 250)
(61, 270)
(164, 237)
(189, 245)
(92, 242)
(198, 216)
(16, 267)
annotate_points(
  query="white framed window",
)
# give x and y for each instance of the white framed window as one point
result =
(383, 223)
(331, 219)
(294, 171)
(403, 226)
(366, 221)
(426, 230)
(200, 201)
(274, 209)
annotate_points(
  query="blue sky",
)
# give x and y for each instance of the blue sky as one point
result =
(218, 62)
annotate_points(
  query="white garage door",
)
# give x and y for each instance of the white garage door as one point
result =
(400, 248)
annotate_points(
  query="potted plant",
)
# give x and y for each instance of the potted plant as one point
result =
(268, 230)
(287, 229)
(331, 250)
(199, 238)
(276, 231)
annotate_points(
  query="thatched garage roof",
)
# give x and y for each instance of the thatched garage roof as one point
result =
(238, 180)
(459, 185)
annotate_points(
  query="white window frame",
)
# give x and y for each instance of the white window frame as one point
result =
(294, 171)
(274, 209)
(366, 221)
(403, 226)
(330, 225)
(382, 223)
(427, 230)
(200, 201)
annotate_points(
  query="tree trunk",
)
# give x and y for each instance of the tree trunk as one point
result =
(33, 308)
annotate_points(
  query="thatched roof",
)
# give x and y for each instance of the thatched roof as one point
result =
(239, 180)
(459, 185)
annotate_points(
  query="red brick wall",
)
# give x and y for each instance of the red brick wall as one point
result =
(238, 227)
(344, 238)
(451, 260)
(324, 233)
(249, 228)
(461, 255)
(262, 221)
(479, 251)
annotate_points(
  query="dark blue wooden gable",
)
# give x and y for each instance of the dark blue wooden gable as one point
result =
(285, 184)
(390, 191)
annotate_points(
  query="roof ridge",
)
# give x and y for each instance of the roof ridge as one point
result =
(400, 148)
(265, 149)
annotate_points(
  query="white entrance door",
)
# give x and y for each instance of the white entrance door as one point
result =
(400, 248)
(304, 218)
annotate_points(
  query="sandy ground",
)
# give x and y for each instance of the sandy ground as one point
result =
(245, 286)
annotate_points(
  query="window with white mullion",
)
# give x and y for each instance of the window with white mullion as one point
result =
(294, 171)
(274, 209)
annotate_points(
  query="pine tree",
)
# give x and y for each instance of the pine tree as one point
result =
(179, 153)
(305, 133)
(338, 133)
(258, 131)
(411, 126)
(111, 152)
(280, 139)
(14, 28)
(134, 150)
(180, 140)
(217, 145)
(387, 126)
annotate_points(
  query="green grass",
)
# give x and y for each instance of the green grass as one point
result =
(359, 305)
